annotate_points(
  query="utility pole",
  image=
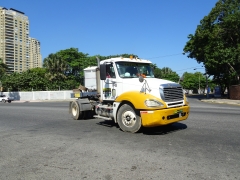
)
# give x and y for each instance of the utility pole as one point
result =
(207, 84)
(206, 81)
(199, 84)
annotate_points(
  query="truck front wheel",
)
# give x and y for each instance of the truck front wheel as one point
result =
(128, 119)
(75, 111)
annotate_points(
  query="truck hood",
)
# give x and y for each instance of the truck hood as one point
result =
(149, 85)
(155, 83)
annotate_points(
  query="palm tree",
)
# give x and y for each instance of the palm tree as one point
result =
(56, 67)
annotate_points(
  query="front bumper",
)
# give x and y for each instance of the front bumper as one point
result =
(164, 116)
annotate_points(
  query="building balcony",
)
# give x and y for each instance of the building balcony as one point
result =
(8, 20)
(8, 24)
(9, 43)
(9, 48)
(10, 59)
(9, 35)
(10, 56)
(9, 64)
(10, 38)
(9, 15)
(9, 51)
(9, 28)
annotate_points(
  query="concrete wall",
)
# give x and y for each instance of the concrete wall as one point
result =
(40, 95)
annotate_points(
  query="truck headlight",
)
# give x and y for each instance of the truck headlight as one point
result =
(153, 103)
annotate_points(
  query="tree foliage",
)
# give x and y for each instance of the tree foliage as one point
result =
(33, 79)
(56, 67)
(216, 42)
(61, 70)
(64, 70)
(166, 73)
(195, 81)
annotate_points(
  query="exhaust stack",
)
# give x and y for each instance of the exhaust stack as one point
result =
(98, 76)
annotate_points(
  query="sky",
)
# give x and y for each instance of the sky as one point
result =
(156, 30)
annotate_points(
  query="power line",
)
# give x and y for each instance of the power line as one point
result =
(165, 56)
(189, 68)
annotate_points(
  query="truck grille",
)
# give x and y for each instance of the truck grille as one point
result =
(171, 93)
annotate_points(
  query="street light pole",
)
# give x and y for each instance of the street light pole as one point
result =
(199, 84)
(206, 81)
(207, 84)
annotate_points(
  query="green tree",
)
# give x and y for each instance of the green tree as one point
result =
(216, 42)
(166, 73)
(157, 72)
(75, 60)
(33, 79)
(38, 80)
(193, 81)
(56, 67)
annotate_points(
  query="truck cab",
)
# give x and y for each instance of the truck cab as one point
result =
(131, 96)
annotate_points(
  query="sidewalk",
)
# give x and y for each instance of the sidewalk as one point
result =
(212, 99)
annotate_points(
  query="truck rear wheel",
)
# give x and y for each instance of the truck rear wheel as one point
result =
(75, 110)
(128, 119)
(3, 100)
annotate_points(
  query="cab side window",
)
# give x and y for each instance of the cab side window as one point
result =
(110, 71)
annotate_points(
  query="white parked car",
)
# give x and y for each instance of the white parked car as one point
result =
(4, 98)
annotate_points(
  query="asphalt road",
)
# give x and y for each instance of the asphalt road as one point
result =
(41, 141)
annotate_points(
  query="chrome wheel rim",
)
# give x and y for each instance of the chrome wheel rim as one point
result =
(129, 118)
(74, 110)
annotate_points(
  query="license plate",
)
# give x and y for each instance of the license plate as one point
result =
(178, 111)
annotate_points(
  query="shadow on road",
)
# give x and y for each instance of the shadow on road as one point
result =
(108, 123)
(162, 130)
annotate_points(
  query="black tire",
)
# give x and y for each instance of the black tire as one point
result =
(3, 100)
(129, 119)
(9, 101)
(75, 111)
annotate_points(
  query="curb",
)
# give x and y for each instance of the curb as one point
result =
(220, 101)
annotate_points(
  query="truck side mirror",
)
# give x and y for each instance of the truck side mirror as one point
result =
(103, 71)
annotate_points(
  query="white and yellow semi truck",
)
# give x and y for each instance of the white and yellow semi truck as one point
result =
(125, 90)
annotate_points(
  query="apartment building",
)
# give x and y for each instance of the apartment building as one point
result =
(34, 53)
(19, 51)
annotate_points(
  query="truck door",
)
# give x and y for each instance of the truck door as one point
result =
(110, 84)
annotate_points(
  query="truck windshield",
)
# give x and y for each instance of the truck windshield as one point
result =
(134, 70)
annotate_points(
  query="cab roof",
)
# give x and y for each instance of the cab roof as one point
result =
(121, 59)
